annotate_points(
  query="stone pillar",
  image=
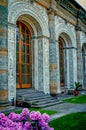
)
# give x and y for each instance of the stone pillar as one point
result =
(74, 51)
(53, 57)
(35, 63)
(46, 64)
(40, 64)
(66, 68)
(3, 54)
(12, 62)
(72, 67)
(71, 79)
(79, 58)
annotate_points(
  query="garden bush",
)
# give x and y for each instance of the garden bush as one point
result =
(25, 121)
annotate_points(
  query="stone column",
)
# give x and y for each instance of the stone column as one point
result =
(79, 58)
(35, 63)
(12, 62)
(40, 64)
(74, 51)
(53, 57)
(66, 68)
(43, 64)
(72, 67)
(46, 64)
(3, 54)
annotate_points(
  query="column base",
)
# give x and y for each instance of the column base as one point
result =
(5, 106)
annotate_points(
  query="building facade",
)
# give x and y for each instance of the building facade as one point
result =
(42, 46)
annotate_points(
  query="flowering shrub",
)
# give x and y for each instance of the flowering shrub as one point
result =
(13, 121)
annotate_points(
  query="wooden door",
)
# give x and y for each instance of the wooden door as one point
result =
(61, 59)
(23, 57)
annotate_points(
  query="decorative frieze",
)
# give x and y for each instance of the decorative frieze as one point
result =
(74, 8)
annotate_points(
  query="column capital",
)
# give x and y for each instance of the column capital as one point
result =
(42, 36)
(34, 37)
(12, 25)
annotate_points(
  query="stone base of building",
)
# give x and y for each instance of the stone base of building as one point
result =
(6, 106)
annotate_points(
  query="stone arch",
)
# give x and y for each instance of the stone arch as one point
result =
(18, 9)
(29, 15)
(29, 24)
(70, 59)
(67, 32)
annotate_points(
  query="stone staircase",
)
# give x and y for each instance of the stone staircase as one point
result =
(33, 98)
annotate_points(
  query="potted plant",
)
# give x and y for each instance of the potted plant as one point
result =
(78, 86)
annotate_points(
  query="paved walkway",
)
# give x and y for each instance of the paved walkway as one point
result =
(66, 108)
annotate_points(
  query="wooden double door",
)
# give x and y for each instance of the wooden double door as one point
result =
(23, 57)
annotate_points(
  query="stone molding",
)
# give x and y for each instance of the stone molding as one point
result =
(62, 28)
(18, 9)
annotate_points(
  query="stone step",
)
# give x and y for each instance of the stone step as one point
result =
(30, 95)
(37, 101)
(33, 98)
(46, 104)
(27, 98)
(41, 100)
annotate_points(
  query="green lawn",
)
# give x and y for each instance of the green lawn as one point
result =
(49, 112)
(77, 99)
(75, 121)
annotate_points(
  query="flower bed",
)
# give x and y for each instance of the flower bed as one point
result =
(25, 121)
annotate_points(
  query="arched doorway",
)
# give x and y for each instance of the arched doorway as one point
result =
(23, 56)
(66, 62)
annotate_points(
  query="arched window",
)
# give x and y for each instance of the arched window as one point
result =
(23, 56)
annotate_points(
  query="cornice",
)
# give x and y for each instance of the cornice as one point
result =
(74, 8)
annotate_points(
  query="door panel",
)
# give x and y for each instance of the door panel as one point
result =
(61, 55)
(23, 57)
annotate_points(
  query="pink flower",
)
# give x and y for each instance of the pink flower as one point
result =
(2, 115)
(35, 115)
(25, 114)
(45, 117)
(19, 121)
(27, 125)
(25, 111)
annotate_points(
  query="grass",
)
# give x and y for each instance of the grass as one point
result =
(49, 112)
(74, 121)
(77, 99)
